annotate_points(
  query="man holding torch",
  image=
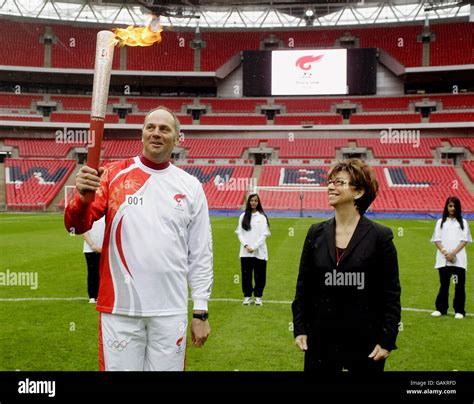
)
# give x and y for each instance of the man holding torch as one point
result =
(157, 243)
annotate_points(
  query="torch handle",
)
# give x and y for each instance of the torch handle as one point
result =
(104, 54)
(93, 153)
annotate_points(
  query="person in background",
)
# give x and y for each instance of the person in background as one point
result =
(252, 230)
(346, 310)
(93, 240)
(451, 234)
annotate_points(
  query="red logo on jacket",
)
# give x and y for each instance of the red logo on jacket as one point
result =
(178, 198)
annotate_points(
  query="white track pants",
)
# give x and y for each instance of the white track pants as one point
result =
(142, 343)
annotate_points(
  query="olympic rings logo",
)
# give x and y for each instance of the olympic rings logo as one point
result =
(117, 345)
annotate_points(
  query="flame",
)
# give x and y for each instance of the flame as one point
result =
(138, 36)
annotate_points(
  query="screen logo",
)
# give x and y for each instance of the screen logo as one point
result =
(305, 62)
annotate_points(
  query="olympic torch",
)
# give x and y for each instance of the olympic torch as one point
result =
(104, 55)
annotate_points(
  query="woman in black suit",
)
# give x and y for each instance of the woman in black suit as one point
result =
(346, 310)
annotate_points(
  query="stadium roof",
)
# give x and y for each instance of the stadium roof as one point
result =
(237, 14)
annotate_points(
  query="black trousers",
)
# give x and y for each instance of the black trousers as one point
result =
(459, 301)
(331, 356)
(93, 261)
(258, 268)
(336, 365)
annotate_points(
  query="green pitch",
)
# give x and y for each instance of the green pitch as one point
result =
(62, 334)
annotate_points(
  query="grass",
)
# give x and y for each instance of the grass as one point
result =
(62, 335)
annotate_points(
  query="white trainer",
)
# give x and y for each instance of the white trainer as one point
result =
(258, 301)
(436, 313)
(92, 300)
(246, 301)
(458, 316)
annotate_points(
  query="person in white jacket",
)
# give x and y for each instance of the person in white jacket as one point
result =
(450, 236)
(157, 246)
(252, 231)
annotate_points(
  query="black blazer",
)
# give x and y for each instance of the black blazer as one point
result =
(371, 311)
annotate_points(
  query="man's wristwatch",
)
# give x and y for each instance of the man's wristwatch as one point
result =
(201, 316)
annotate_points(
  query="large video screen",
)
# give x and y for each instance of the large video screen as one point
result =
(309, 72)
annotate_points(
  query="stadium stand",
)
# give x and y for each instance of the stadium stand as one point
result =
(74, 103)
(401, 188)
(463, 141)
(224, 186)
(402, 185)
(217, 148)
(454, 44)
(172, 54)
(385, 103)
(421, 188)
(233, 120)
(423, 149)
(400, 42)
(220, 46)
(454, 101)
(85, 118)
(17, 117)
(24, 101)
(133, 119)
(306, 148)
(78, 103)
(307, 105)
(121, 148)
(385, 118)
(41, 147)
(468, 166)
(220, 105)
(452, 117)
(146, 104)
(75, 47)
(22, 47)
(32, 184)
(307, 119)
(18, 107)
(375, 103)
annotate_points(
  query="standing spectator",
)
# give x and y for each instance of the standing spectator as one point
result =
(451, 234)
(157, 244)
(93, 240)
(252, 231)
(346, 310)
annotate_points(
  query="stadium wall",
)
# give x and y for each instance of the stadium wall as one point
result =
(330, 214)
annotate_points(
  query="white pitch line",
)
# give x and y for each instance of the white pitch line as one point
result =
(223, 299)
(217, 299)
(22, 299)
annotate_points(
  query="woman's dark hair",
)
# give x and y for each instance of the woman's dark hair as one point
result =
(248, 213)
(362, 177)
(457, 212)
